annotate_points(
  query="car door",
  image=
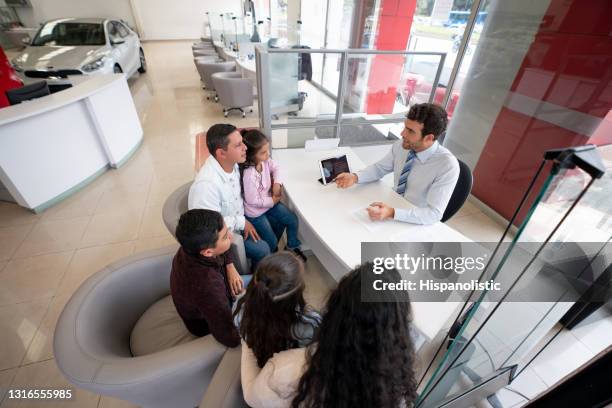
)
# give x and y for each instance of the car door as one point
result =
(119, 47)
(132, 49)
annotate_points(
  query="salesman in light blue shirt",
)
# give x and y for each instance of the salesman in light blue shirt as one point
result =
(425, 172)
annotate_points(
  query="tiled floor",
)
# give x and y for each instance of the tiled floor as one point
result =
(44, 258)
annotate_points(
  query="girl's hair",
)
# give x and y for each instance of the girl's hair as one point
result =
(254, 140)
(272, 305)
(363, 355)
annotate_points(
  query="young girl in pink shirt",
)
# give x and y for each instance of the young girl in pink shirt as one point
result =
(262, 192)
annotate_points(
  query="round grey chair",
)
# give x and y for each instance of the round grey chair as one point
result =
(234, 92)
(202, 52)
(210, 68)
(225, 390)
(176, 204)
(206, 48)
(92, 338)
(198, 61)
(202, 44)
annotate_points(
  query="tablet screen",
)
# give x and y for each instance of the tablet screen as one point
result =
(333, 166)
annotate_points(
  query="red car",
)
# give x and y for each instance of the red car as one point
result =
(8, 79)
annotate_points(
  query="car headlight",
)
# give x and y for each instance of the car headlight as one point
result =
(94, 65)
(16, 66)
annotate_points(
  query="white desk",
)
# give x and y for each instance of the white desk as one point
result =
(329, 228)
(52, 146)
(246, 67)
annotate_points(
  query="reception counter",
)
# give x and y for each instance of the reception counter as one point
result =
(52, 146)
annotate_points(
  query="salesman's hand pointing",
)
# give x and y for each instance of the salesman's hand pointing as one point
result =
(345, 180)
(380, 211)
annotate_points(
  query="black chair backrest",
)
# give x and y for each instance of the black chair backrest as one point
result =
(460, 193)
(27, 92)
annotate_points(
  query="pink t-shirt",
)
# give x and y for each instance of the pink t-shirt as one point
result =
(258, 188)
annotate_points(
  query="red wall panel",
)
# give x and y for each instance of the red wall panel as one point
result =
(393, 30)
(568, 66)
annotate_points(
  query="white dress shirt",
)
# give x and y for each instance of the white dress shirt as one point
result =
(215, 189)
(430, 184)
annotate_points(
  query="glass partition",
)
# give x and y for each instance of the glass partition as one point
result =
(559, 259)
(294, 97)
(372, 111)
(313, 14)
(385, 86)
(216, 26)
(229, 29)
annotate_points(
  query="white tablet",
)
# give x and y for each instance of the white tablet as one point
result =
(332, 167)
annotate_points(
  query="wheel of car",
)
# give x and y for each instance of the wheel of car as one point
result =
(117, 69)
(143, 63)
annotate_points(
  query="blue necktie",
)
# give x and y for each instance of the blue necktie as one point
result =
(401, 184)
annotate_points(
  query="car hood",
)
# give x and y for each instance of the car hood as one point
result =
(53, 57)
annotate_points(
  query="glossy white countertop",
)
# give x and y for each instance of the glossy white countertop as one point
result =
(331, 210)
(330, 213)
(90, 85)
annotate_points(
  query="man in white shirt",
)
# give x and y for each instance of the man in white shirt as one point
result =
(217, 187)
(425, 172)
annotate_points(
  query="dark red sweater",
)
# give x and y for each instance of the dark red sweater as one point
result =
(200, 292)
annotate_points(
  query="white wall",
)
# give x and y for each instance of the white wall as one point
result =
(178, 19)
(43, 10)
(154, 19)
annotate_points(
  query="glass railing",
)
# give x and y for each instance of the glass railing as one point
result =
(215, 22)
(557, 264)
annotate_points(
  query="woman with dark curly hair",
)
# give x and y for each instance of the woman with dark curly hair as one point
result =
(363, 355)
(273, 317)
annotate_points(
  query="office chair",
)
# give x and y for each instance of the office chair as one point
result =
(27, 92)
(460, 193)
(207, 69)
(235, 92)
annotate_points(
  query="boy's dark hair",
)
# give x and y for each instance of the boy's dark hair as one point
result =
(217, 137)
(432, 116)
(198, 229)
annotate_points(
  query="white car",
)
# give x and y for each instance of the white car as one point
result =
(80, 46)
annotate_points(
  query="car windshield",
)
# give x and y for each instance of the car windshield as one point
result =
(70, 33)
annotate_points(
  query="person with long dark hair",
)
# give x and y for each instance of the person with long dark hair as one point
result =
(273, 317)
(363, 355)
(261, 184)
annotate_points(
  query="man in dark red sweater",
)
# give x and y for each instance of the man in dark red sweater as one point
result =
(204, 280)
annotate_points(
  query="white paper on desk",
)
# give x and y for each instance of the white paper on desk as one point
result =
(361, 215)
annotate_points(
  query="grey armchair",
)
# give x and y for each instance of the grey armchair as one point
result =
(202, 52)
(209, 68)
(198, 61)
(202, 44)
(234, 92)
(176, 204)
(92, 338)
(225, 390)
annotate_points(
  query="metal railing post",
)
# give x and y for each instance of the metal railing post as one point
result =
(341, 88)
(263, 89)
(467, 34)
